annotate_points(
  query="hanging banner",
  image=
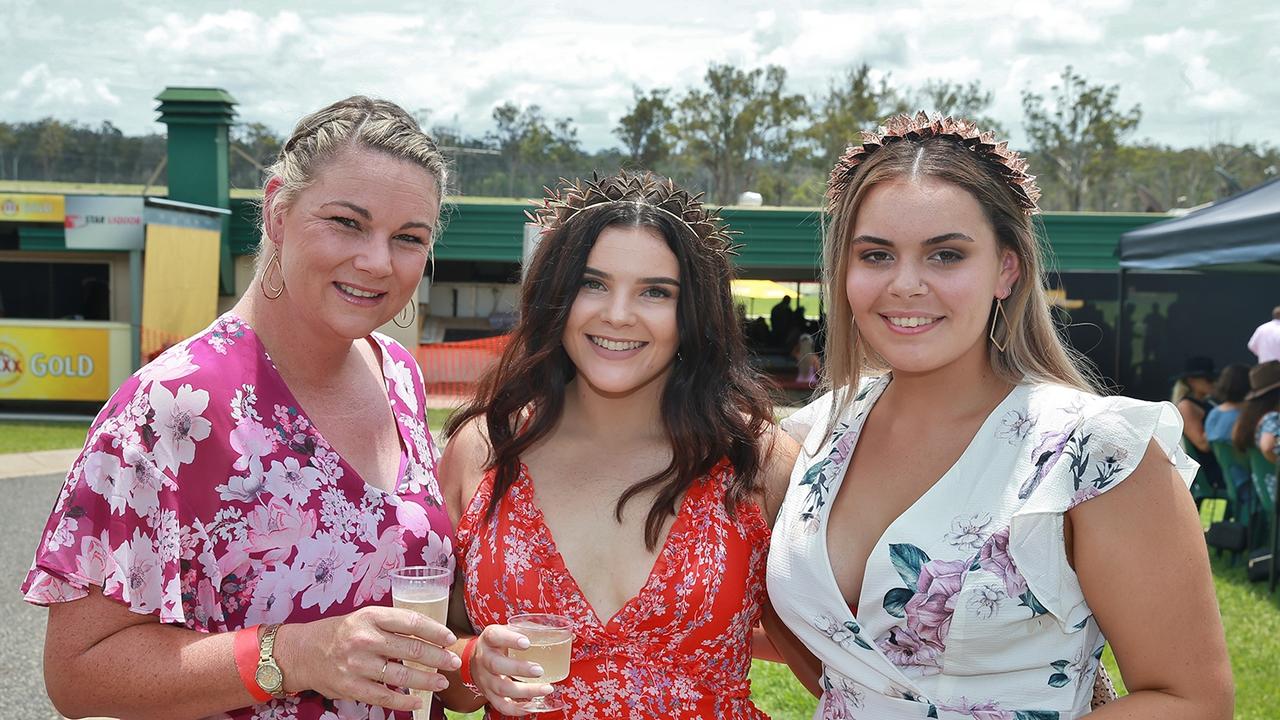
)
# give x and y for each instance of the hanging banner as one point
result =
(21, 207)
(54, 363)
(180, 285)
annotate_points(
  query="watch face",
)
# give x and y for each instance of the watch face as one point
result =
(269, 678)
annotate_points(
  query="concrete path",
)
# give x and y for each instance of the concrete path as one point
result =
(31, 464)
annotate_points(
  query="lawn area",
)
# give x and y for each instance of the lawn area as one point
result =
(31, 436)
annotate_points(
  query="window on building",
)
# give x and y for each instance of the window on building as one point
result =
(55, 290)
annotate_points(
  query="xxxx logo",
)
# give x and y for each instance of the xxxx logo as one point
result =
(11, 364)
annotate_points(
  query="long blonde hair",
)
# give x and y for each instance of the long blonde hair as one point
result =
(357, 121)
(1033, 351)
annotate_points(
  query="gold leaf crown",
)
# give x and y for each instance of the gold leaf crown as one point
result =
(1011, 166)
(573, 197)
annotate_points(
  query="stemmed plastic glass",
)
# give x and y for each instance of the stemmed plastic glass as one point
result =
(550, 645)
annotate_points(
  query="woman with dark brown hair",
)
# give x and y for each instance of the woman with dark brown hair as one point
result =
(611, 467)
(1259, 422)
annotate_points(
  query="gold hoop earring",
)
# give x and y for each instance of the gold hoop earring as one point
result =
(269, 292)
(412, 307)
(997, 315)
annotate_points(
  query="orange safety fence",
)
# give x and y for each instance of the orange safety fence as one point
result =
(453, 368)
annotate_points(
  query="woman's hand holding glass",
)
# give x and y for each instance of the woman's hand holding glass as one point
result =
(492, 671)
(361, 655)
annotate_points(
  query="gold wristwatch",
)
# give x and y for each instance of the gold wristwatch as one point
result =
(268, 675)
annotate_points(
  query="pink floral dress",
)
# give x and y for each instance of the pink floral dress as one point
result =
(680, 649)
(205, 497)
(968, 608)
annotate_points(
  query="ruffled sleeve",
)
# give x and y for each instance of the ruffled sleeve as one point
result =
(799, 423)
(1095, 450)
(115, 525)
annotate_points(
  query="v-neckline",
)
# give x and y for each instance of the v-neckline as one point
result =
(659, 563)
(854, 611)
(402, 433)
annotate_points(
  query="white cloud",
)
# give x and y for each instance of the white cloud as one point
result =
(40, 89)
(234, 32)
(1210, 91)
(1189, 65)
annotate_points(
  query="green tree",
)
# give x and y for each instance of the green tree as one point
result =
(51, 142)
(255, 147)
(8, 140)
(741, 119)
(1077, 134)
(854, 102)
(960, 101)
(645, 129)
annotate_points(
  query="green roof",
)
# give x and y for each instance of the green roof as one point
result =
(782, 240)
(195, 95)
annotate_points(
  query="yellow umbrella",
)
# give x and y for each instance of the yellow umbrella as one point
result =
(762, 290)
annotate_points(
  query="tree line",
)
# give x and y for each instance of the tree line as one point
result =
(739, 130)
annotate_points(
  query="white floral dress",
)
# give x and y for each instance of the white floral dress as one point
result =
(968, 609)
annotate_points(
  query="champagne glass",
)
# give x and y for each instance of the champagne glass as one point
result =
(424, 589)
(550, 642)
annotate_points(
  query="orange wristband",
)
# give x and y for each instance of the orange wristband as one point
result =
(246, 652)
(468, 651)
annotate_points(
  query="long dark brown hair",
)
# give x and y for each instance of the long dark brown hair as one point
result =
(714, 406)
(1246, 427)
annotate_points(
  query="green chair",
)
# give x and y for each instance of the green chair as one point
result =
(1233, 464)
(1264, 480)
(1265, 475)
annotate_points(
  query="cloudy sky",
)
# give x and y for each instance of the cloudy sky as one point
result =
(1202, 71)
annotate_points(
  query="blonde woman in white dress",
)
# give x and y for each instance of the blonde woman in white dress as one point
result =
(969, 518)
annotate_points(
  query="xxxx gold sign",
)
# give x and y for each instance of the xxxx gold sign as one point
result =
(47, 363)
(32, 208)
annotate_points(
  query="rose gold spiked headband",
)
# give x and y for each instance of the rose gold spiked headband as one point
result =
(1011, 166)
(574, 197)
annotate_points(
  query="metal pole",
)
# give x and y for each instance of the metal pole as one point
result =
(1120, 326)
(135, 308)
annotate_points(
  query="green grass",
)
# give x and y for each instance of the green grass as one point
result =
(436, 418)
(32, 436)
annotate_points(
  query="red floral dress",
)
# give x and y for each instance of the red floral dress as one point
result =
(681, 648)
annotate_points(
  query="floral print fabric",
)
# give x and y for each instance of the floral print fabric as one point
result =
(679, 649)
(205, 496)
(968, 608)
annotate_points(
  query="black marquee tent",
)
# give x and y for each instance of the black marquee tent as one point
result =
(1241, 233)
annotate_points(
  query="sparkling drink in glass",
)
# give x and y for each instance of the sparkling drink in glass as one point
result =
(550, 644)
(424, 589)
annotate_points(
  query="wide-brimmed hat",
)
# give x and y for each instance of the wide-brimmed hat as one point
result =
(1263, 379)
(1198, 367)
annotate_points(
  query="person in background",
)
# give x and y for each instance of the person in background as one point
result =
(1192, 394)
(781, 319)
(808, 365)
(1265, 342)
(1259, 422)
(223, 544)
(968, 514)
(1230, 391)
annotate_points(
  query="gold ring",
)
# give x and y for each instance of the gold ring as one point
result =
(382, 676)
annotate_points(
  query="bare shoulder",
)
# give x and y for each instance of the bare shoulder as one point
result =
(463, 463)
(780, 451)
